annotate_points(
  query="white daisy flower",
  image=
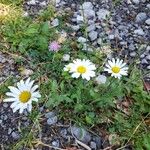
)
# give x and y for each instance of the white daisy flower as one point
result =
(117, 68)
(23, 95)
(83, 68)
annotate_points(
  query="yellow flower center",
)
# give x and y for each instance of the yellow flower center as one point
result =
(24, 96)
(115, 69)
(81, 69)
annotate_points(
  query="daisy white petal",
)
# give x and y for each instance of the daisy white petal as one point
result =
(15, 108)
(29, 107)
(14, 104)
(14, 90)
(30, 85)
(23, 95)
(75, 75)
(108, 70)
(21, 110)
(10, 94)
(116, 67)
(34, 99)
(83, 68)
(9, 100)
(27, 81)
(85, 76)
(36, 94)
(34, 88)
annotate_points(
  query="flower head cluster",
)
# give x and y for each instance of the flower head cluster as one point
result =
(83, 68)
(54, 46)
(23, 95)
(116, 68)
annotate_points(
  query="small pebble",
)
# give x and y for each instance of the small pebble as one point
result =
(52, 120)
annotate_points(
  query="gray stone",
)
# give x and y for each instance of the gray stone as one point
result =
(43, 3)
(81, 39)
(93, 35)
(5, 105)
(148, 57)
(101, 79)
(131, 47)
(142, 56)
(98, 141)
(90, 49)
(133, 54)
(148, 67)
(55, 143)
(52, 120)
(32, 2)
(80, 19)
(102, 14)
(91, 22)
(1, 121)
(144, 61)
(57, 1)
(4, 117)
(49, 114)
(63, 133)
(66, 57)
(139, 31)
(93, 145)
(136, 2)
(55, 22)
(76, 27)
(99, 41)
(89, 14)
(148, 48)
(15, 135)
(81, 134)
(147, 21)
(87, 5)
(9, 130)
(141, 17)
(148, 6)
(91, 27)
(85, 47)
(111, 37)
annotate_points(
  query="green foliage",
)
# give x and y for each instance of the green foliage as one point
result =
(135, 88)
(143, 144)
(24, 37)
(4, 86)
(47, 14)
(12, 2)
(85, 103)
(75, 95)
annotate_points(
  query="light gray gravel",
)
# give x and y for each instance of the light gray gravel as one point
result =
(81, 134)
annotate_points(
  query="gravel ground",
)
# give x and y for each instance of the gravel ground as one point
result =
(7, 67)
(53, 132)
(126, 27)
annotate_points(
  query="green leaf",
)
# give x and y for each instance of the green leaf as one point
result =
(45, 28)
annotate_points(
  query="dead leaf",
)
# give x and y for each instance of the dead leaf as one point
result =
(25, 72)
(62, 38)
(1, 66)
(74, 46)
(147, 121)
(147, 85)
(114, 139)
(125, 104)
